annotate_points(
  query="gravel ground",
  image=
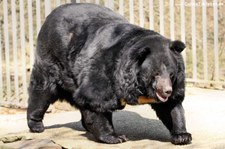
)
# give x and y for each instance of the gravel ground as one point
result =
(204, 110)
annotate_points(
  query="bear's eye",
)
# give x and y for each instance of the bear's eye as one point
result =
(171, 75)
(157, 74)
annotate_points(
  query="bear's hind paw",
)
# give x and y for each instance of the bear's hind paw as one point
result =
(111, 139)
(36, 127)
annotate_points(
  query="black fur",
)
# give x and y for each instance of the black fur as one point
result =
(92, 57)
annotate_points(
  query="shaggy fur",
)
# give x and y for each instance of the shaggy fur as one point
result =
(92, 57)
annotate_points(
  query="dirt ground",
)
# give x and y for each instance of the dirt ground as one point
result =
(205, 117)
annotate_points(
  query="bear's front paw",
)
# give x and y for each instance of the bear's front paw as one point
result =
(111, 139)
(36, 127)
(181, 139)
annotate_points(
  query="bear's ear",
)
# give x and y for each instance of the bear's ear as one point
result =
(141, 55)
(177, 45)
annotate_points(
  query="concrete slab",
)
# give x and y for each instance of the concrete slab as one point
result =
(204, 115)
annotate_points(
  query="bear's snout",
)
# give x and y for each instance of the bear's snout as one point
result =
(163, 88)
(167, 90)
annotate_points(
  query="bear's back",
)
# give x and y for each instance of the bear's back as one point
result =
(70, 24)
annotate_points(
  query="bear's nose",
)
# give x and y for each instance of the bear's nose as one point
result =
(168, 91)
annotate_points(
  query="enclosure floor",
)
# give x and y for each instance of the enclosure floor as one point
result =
(204, 110)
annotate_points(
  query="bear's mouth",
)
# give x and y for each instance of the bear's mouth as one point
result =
(161, 97)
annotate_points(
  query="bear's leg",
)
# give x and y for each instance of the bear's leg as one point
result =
(41, 94)
(38, 103)
(83, 122)
(173, 118)
(100, 125)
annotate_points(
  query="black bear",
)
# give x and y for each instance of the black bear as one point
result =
(97, 61)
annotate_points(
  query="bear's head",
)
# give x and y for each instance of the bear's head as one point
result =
(158, 69)
(161, 67)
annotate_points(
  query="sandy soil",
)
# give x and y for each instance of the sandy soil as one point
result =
(205, 116)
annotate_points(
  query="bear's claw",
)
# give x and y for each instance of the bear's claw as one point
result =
(181, 139)
(36, 127)
(111, 139)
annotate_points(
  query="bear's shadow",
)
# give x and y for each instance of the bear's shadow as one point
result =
(130, 124)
